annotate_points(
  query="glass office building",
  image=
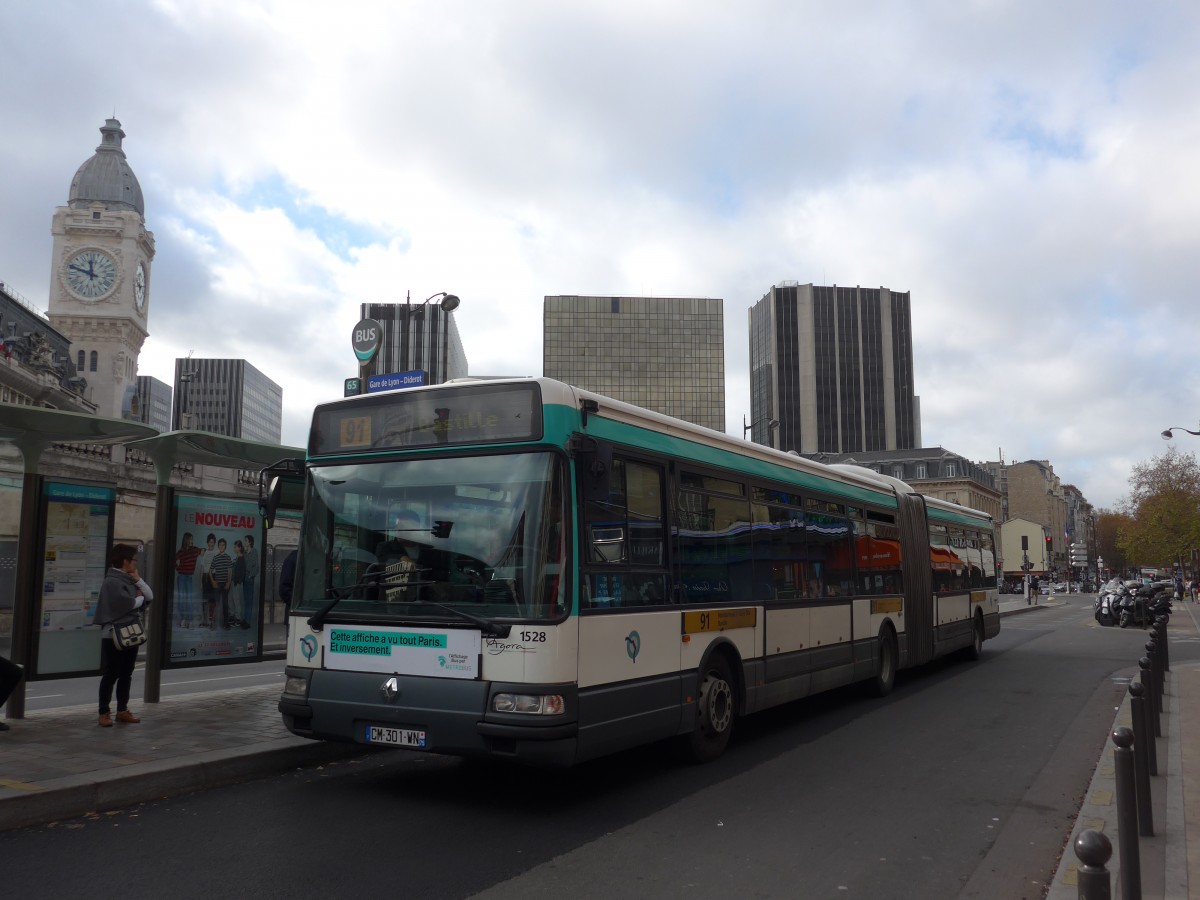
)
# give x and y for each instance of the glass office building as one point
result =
(663, 353)
(227, 396)
(832, 369)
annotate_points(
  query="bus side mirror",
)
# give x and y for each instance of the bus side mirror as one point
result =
(268, 501)
(593, 465)
(271, 486)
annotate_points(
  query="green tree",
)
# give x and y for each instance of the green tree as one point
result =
(1164, 510)
(1108, 526)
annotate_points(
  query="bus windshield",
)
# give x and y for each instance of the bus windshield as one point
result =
(422, 539)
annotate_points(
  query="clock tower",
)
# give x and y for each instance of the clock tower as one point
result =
(100, 274)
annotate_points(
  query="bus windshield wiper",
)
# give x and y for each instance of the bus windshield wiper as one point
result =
(492, 629)
(487, 626)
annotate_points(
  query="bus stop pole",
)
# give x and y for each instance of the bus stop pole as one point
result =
(24, 620)
(164, 502)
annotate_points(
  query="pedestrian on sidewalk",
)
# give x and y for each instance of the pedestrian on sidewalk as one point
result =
(122, 591)
(287, 578)
(10, 677)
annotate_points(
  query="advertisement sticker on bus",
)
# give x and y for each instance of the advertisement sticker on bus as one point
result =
(440, 653)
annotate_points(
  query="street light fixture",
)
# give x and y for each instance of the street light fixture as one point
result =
(1166, 434)
(185, 381)
(772, 424)
(449, 302)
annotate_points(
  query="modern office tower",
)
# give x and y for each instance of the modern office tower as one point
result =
(418, 337)
(663, 353)
(831, 370)
(152, 403)
(227, 396)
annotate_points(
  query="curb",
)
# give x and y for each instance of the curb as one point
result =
(77, 795)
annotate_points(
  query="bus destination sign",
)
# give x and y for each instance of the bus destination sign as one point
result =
(429, 418)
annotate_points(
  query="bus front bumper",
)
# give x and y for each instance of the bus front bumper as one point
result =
(455, 715)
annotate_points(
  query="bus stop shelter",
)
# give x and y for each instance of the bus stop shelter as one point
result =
(33, 429)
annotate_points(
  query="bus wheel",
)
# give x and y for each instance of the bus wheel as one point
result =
(975, 651)
(715, 710)
(885, 675)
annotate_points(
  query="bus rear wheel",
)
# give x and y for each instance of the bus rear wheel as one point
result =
(885, 673)
(716, 707)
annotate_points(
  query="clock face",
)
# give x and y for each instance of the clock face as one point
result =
(91, 274)
(139, 287)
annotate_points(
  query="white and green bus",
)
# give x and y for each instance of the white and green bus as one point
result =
(520, 569)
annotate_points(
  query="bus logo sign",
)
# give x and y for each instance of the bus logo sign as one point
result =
(365, 339)
(633, 645)
(308, 646)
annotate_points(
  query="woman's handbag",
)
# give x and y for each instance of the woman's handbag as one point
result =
(131, 633)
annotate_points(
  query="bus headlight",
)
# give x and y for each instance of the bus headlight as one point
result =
(530, 704)
(296, 686)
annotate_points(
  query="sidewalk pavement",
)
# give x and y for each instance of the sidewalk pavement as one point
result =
(59, 764)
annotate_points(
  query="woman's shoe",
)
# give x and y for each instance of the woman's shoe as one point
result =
(106, 720)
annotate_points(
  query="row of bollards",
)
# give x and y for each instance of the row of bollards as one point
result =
(1135, 760)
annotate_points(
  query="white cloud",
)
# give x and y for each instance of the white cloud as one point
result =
(1026, 172)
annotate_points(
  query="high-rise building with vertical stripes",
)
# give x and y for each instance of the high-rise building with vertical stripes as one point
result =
(417, 337)
(227, 396)
(831, 370)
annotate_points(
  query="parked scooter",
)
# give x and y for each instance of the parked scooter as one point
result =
(1106, 610)
(1143, 604)
(1110, 600)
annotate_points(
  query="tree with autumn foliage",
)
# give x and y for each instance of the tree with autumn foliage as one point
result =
(1109, 525)
(1163, 511)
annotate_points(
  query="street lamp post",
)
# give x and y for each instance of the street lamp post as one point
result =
(185, 381)
(449, 302)
(772, 424)
(1166, 432)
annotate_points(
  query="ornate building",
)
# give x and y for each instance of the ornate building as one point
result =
(100, 274)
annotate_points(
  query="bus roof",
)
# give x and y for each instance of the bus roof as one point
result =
(857, 478)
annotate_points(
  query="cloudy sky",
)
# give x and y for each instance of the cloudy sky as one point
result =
(1027, 170)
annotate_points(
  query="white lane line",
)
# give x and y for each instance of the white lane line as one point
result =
(225, 678)
(48, 696)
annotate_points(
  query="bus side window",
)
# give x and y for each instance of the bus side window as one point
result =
(624, 539)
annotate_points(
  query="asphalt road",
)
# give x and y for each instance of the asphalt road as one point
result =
(964, 783)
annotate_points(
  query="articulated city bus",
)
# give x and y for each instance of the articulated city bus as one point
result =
(520, 569)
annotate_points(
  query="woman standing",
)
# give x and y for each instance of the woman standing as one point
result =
(122, 591)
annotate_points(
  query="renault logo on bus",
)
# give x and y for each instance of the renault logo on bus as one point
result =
(390, 689)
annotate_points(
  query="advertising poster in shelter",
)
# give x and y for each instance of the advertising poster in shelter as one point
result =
(77, 525)
(216, 594)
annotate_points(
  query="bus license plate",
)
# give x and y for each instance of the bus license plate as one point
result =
(395, 737)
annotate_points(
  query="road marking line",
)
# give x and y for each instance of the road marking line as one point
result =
(19, 785)
(225, 678)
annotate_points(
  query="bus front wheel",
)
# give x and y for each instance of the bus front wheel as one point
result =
(975, 650)
(885, 674)
(716, 706)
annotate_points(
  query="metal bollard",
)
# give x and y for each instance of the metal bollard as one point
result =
(1144, 751)
(1163, 621)
(1127, 837)
(1094, 850)
(1147, 678)
(1155, 670)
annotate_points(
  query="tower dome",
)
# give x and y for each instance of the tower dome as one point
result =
(107, 177)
